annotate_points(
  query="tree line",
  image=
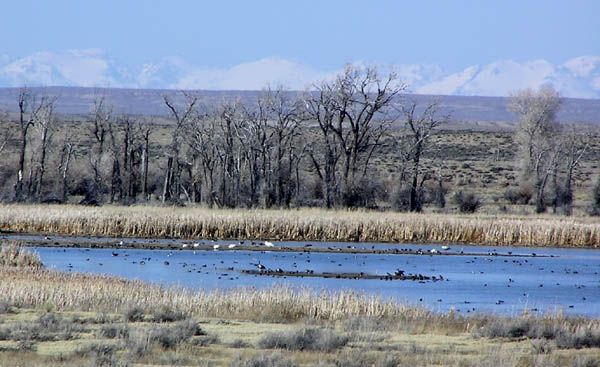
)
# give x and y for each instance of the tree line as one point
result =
(284, 149)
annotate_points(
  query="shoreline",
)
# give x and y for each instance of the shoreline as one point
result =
(93, 242)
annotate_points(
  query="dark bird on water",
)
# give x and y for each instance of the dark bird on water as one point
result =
(259, 266)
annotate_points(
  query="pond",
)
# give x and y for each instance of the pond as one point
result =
(476, 279)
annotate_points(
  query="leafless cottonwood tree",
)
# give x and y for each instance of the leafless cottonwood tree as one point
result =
(45, 126)
(255, 143)
(203, 141)
(417, 133)
(353, 113)
(573, 143)
(29, 108)
(145, 135)
(364, 104)
(325, 154)
(66, 157)
(182, 117)
(288, 116)
(101, 121)
(536, 134)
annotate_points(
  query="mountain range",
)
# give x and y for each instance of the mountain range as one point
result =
(578, 77)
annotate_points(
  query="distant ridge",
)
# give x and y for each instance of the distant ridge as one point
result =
(79, 100)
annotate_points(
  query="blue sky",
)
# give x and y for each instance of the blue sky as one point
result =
(323, 34)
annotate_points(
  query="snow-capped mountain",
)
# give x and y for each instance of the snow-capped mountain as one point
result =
(578, 77)
(89, 68)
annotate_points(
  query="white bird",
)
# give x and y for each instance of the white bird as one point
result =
(120, 243)
(232, 245)
(196, 245)
(433, 251)
(269, 244)
(185, 245)
(444, 247)
(216, 247)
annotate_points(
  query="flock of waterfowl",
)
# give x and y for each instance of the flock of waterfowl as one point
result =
(483, 278)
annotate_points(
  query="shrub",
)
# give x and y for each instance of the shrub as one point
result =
(582, 337)
(101, 355)
(239, 343)
(261, 360)
(6, 307)
(113, 331)
(521, 195)
(138, 342)
(26, 346)
(167, 314)
(595, 207)
(585, 361)
(205, 340)
(467, 202)
(507, 328)
(134, 314)
(170, 337)
(323, 340)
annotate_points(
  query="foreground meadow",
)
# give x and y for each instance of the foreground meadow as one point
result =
(301, 225)
(48, 318)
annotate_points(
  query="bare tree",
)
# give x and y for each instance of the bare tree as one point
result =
(29, 108)
(66, 157)
(353, 113)
(101, 121)
(255, 143)
(288, 116)
(363, 104)
(535, 136)
(145, 158)
(325, 155)
(182, 117)
(45, 124)
(573, 142)
(418, 129)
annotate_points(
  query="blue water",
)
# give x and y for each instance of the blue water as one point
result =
(569, 281)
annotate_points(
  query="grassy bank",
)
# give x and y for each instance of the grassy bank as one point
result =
(302, 225)
(59, 319)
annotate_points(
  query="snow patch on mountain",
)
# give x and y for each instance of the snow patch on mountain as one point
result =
(578, 77)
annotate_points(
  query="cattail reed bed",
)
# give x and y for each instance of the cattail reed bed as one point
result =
(29, 287)
(11, 254)
(41, 288)
(302, 225)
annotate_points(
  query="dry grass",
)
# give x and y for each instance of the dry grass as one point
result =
(39, 288)
(302, 225)
(89, 326)
(13, 255)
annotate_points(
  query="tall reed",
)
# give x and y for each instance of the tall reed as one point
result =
(11, 254)
(66, 291)
(29, 287)
(302, 225)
